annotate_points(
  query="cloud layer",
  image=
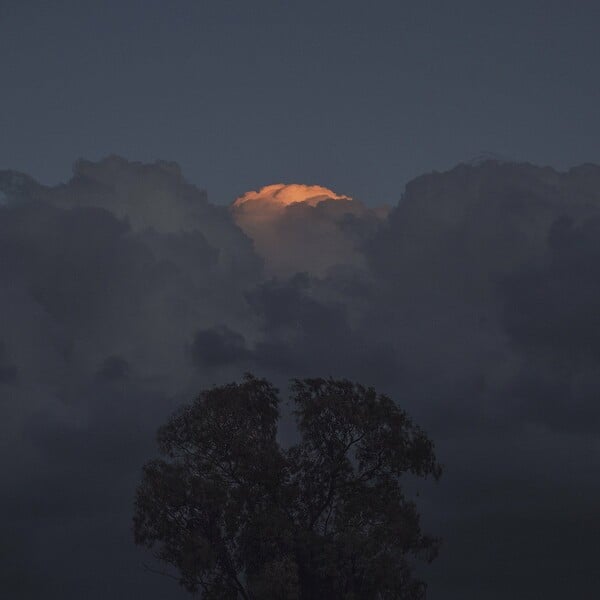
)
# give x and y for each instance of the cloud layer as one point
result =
(474, 302)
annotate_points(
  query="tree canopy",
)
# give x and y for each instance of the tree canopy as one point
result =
(238, 515)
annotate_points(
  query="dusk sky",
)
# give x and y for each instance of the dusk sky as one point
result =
(418, 209)
(360, 97)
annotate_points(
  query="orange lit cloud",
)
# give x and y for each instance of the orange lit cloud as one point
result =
(285, 194)
(310, 228)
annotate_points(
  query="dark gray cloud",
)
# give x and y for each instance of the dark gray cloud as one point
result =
(102, 282)
(124, 291)
(551, 314)
(307, 328)
(218, 346)
(551, 306)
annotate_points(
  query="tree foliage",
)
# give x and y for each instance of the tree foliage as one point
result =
(239, 516)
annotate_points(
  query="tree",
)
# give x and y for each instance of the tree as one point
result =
(239, 516)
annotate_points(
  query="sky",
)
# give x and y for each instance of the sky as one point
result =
(465, 289)
(360, 97)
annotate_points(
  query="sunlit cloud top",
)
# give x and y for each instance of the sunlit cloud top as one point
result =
(286, 194)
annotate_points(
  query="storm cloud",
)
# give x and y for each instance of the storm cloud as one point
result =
(473, 302)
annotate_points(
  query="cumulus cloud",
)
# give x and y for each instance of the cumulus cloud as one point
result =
(102, 284)
(308, 228)
(474, 303)
(218, 346)
(149, 197)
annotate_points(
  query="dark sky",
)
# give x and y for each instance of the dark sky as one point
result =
(358, 96)
(474, 302)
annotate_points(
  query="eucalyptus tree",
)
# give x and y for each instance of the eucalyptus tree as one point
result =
(237, 515)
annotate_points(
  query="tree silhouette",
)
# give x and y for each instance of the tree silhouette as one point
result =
(238, 516)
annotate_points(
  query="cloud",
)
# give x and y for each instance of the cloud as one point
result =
(149, 197)
(98, 297)
(298, 228)
(308, 329)
(551, 314)
(551, 304)
(279, 195)
(123, 292)
(218, 346)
